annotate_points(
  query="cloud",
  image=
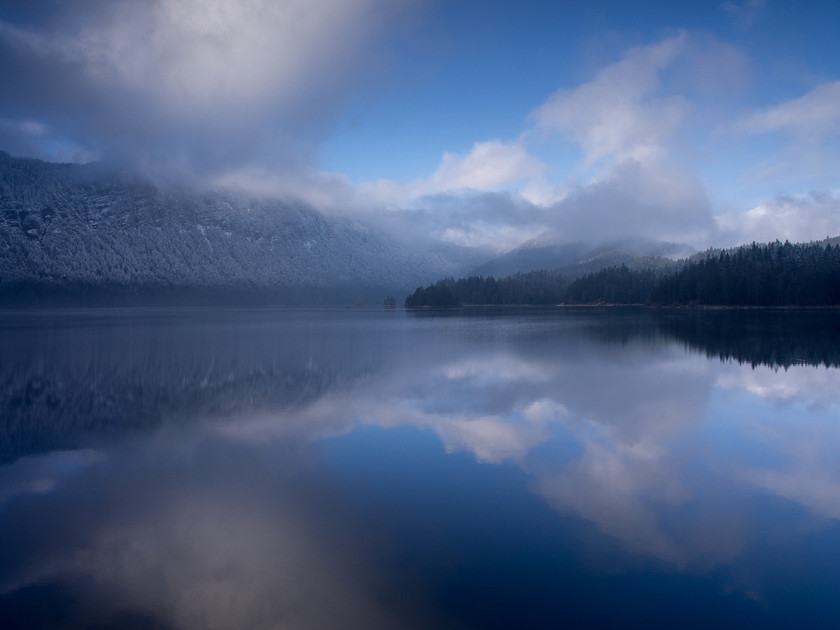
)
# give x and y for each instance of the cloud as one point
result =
(811, 387)
(712, 74)
(812, 485)
(800, 145)
(629, 122)
(619, 115)
(632, 199)
(635, 178)
(25, 136)
(744, 14)
(489, 166)
(251, 549)
(795, 218)
(493, 220)
(499, 194)
(627, 477)
(802, 440)
(814, 115)
(199, 83)
(328, 192)
(637, 200)
(42, 474)
(242, 92)
(609, 486)
(470, 199)
(490, 439)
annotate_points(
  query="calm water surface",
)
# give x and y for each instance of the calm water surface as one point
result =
(388, 469)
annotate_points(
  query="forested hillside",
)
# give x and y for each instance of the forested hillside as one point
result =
(575, 258)
(772, 274)
(775, 274)
(537, 287)
(81, 232)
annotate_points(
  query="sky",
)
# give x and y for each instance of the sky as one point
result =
(480, 123)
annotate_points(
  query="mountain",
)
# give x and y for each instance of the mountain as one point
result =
(577, 257)
(85, 233)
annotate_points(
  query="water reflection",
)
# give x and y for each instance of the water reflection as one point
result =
(774, 337)
(269, 468)
(69, 378)
(189, 533)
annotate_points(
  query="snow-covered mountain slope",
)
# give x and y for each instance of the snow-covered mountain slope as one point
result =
(69, 230)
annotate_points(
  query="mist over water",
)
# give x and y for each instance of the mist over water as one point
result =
(364, 468)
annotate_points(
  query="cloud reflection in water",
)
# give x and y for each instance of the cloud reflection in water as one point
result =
(223, 512)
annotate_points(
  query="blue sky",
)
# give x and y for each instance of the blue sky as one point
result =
(476, 123)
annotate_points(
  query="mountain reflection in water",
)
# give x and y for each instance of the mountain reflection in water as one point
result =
(365, 468)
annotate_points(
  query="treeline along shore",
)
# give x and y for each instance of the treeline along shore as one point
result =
(770, 274)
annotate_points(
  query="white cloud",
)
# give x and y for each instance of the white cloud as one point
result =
(499, 194)
(814, 115)
(744, 14)
(804, 218)
(619, 114)
(27, 136)
(328, 192)
(810, 386)
(810, 484)
(494, 370)
(804, 467)
(490, 237)
(29, 128)
(629, 122)
(490, 439)
(636, 199)
(490, 165)
(204, 83)
(470, 199)
(195, 55)
(611, 486)
(248, 551)
(487, 166)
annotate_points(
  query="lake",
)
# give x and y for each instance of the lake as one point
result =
(372, 468)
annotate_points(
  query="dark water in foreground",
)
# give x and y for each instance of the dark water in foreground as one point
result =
(388, 469)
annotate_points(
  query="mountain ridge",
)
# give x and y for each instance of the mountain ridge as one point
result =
(85, 231)
(575, 258)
